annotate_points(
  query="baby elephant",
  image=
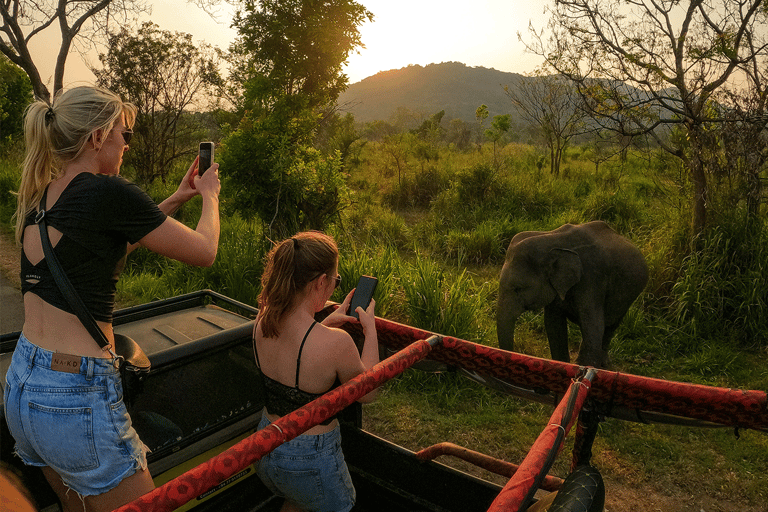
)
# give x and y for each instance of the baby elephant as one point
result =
(585, 273)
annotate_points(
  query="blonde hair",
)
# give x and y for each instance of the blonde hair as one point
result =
(291, 266)
(57, 133)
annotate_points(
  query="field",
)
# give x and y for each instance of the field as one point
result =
(435, 233)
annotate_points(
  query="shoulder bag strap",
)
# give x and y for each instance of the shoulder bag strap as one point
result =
(63, 282)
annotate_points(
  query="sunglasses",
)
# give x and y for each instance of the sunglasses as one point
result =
(127, 136)
(338, 281)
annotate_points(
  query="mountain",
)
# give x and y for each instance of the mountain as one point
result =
(451, 86)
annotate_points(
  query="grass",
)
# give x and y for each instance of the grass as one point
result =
(436, 241)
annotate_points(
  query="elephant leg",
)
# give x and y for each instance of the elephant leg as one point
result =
(556, 326)
(593, 331)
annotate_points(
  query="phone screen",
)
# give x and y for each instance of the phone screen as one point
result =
(206, 157)
(363, 294)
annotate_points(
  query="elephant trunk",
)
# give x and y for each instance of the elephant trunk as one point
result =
(505, 328)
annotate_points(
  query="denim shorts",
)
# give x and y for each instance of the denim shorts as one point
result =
(75, 423)
(310, 471)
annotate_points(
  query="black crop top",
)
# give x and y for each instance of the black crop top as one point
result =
(98, 215)
(281, 399)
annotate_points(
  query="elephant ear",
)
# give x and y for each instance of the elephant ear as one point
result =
(564, 270)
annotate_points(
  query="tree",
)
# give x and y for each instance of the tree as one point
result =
(552, 103)
(166, 76)
(429, 135)
(481, 114)
(644, 66)
(82, 24)
(289, 57)
(499, 126)
(15, 95)
(339, 134)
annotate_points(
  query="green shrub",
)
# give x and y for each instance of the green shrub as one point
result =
(722, 291)
(417, 191)
(617, 209)
(450, 307)
(380, 262)
(10, 176)
(482, 245)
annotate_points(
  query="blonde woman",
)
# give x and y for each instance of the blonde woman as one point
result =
(300, 360)
(75, 425)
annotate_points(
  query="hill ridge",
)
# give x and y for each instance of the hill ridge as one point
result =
(451, 86)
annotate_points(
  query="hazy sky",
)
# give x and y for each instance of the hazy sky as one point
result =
(475, 32)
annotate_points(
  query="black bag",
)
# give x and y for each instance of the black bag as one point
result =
(127, 352)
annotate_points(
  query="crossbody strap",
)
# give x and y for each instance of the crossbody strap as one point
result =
(63, 282)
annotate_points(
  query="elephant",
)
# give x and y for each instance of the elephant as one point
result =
(585, 273)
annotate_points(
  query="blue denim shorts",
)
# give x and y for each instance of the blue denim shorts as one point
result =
(76, 423)
(310, 471)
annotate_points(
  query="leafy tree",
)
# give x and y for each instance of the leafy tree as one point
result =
(15, 95)
(339, 134)
(289, 57)
(646, 66)
(499, 127)
(399, 146)
(551, 103)
(166, 76)
(378, 130)
(429, 135)
(481, 114)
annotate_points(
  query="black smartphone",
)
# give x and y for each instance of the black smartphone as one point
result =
(206, 157)
(363, 294)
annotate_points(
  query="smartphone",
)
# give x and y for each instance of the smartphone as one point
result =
(363, 294)
(206, 157)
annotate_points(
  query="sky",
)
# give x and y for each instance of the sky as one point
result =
(403, 32)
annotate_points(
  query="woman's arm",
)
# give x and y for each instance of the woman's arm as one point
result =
(177, 241)
(351, 363)
(184, 193)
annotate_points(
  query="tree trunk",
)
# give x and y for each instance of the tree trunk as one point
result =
(700, 196)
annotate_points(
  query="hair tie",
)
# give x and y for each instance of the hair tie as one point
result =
(49, 115)
(295, 244)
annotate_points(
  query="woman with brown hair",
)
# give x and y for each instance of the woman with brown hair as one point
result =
(301, 359)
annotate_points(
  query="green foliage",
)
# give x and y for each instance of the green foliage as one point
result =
(437, 305)
(417, 191)
(722, 291)
(236, 271)
(482, 246)
(289, 57)
(383, 263)
(292, 48)
(10, 178)
(617, 209)
(15, 95)
(290, 186)
(338, 133)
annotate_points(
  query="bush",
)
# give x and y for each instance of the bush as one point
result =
(482, 245)
(452, 308)
(722, 291)
(417, 191)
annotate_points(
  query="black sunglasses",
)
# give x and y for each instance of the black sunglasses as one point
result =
(338, 281)
(127, 136)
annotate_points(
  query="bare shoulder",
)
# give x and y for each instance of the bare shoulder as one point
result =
(338, 340)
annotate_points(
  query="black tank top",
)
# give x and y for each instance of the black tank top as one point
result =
(281, 399)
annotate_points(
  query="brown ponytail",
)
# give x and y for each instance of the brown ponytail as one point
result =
(291, 266)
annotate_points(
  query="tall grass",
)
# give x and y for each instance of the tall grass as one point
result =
(723, 287)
